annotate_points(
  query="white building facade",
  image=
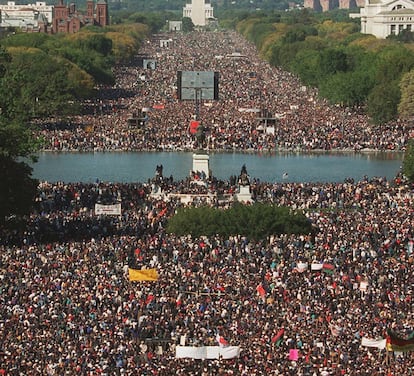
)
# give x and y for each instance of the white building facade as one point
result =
(200, 11)
(383, 18)
(11, 10)
(175, 25)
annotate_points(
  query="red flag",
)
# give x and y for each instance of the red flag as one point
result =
(162, 212)
(194, 124)
(220, 288)
(138, 254)
(149, 299)
(261, 290)
(221, 340)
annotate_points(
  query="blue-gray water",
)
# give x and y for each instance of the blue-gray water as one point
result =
(140, 166)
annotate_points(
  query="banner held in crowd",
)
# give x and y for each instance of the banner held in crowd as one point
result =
(114, 209)
(293, 354)
(207, 352)
(377, 343)
(142, 274)
(315, 266)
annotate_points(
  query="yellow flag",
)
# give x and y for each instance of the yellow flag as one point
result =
(143, 274)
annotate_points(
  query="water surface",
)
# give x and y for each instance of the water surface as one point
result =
(140, 166)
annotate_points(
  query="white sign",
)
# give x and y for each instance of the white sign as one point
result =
(207, 352)
(114, 209)
(363, 286)
(244, 109)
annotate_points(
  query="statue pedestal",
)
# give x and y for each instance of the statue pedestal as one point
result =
(156, 191)
(200, 164)
(244, 194)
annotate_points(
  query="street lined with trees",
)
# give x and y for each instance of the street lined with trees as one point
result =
(297, 300)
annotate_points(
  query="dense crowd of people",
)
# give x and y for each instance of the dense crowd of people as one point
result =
(259, 107)
(67, 306)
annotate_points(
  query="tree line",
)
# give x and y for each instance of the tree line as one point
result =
(46, 75)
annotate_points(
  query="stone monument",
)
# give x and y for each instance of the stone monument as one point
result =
(244, 194)
(156, 182)
(201, 165)
(201, 168)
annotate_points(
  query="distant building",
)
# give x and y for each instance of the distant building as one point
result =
(200, 12)
(383, 18)
(175, 25)
(67, 19)
(60, 18)
(28, 17)
(325, 5)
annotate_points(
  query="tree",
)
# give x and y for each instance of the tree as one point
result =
(406, 105)
(349, 88)
(88, 40)
(383, 102)
(124, 46)
(333, 60)
(154, 20)
(24, 91)
(90, 50)
(17, 187)
(299, 33)
(187, 24)
(306, 65)
(408, 161)
(404, 36)
(393, 62)
(35, 40)
(91, 62)
(301, 16)
(260, 32)
(257, 221)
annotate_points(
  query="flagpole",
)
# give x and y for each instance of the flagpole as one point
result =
(386, 356)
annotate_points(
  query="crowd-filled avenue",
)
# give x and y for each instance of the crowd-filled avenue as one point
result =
(337, 301)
